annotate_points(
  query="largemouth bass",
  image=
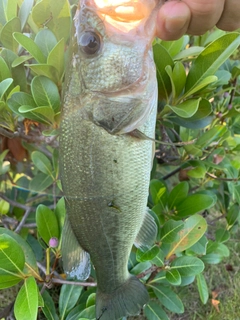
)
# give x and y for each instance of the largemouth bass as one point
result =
(110, 96)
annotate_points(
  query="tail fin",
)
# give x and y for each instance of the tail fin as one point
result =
(126, 300)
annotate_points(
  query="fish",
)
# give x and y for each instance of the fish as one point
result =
(109, 96)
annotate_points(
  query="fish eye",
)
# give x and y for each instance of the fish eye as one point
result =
(90, 42)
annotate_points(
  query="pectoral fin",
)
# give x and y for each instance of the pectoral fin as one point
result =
(147, 233)
(76, 261)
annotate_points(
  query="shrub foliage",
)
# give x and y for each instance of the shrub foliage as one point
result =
(195, 177)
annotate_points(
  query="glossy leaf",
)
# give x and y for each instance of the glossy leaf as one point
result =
(56, 57)
(153, 311)
(211, 58)
(202, 288)
(12, 257)
(68, 298)
(148, 254)
(162, 59)
(30, 260)
(7, 39)
(157, 190)
(4, 85)
(187, 266)
(47, 223)
(194, 228)
(173, 277)
(4, 70)
(24, 11)
(194, 204)
(45, 93)
(158, 260)
(187, 108)
(40, 182)
(233, 215)
(178, 194)
(88, 313)
(46, 41)
(49, 309)
(200, 247)
(28, 44)
(222, 235)
(168, 298)
(170, 231)
(211, 135)
(26, 304)
(42, 162)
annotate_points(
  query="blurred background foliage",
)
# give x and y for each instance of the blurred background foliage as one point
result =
(194, 192)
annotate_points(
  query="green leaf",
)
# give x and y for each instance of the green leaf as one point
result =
(170, 231)
(194, 204)
(153, 311)
(8, 280)
(4, 85)
(162, 59)
(60, 212)
(4, 206)
(189, 53)
(56, 16)
(211, 58)
(187, 266)
(47, 223)
(212, 258)
(49, 309)
(4, 70)
(30, 260)
(26, 304)
(168, 298)
(42, 162)
(201, 85)
(178, 194)
(202, 288)
(45, 70)
(187, 108)
(45, 93)
(148, 254)
(88, 313)
(179, 78)
(222, 235)
(173, 47)
(12, 258)
(24, 12)
(197, 172)
(29, 45)
(42, 114)
(157, 190)
(46, 41)
(56, 57)
(173, 277)
(194, 228)
(158, 260)
(40, 182)
(68, 298)
(141, 267)
(7, 31)
(91, 300)
(211, 135)
(199, 248)
(233, 215)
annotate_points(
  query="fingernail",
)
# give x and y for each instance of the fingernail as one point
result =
(174, 24)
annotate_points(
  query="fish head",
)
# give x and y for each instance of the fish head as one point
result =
(113, 58)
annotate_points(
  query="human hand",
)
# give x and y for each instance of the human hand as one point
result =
(175, 18)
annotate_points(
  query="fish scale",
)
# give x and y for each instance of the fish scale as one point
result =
(105, 167)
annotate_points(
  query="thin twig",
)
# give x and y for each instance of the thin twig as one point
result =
(8, 134)
(75, 283)
(221, 179)
(172, 173)
(22, 222)
(15, 203)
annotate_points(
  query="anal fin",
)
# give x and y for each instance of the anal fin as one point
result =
(147, 233)
(76, 261)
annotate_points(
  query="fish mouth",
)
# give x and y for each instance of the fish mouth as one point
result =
(123, 15)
